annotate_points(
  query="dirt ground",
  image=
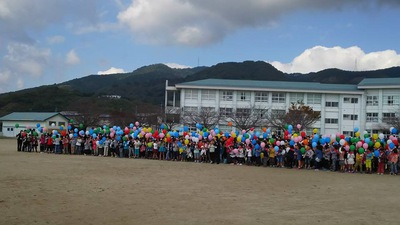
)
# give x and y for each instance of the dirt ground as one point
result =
(61, 189)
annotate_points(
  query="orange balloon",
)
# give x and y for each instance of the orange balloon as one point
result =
(230, 124)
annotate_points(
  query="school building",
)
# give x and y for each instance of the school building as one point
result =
(367, 105)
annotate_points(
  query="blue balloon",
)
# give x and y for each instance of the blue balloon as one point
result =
(314, 144)
(104, 127)
(38, 125)
(216, 130)
(291, 143)
(179, 144)
(356, 129)
(327, 140)
(391, 145)
(69, 127)
(253, 142)
(118, 138)
(276, 148)
(258, 134)
(257, 146)
(268, 130)
(367, 140)
(376, 153)
(91, 131)
(185, 128)
(265, 135)
(205, 134)
(322, 141)
(180, 129)
(76, 130)
(104, 139)
(131, 125)
(394, 131)
(290, 127)
(75, 135)
(61, 128)
(226, 134)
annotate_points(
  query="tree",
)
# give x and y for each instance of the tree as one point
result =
(298, 113)
(246, 118)
(391, 120)
(206, 116)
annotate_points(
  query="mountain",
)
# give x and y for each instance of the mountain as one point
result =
(146, 86)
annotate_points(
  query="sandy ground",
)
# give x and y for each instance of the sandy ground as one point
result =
(58, 189)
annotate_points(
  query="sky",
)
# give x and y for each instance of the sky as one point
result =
(51, 41)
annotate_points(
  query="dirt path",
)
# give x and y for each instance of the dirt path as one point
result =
(57, 189)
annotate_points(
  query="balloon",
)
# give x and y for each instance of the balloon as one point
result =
(16, 125)
(365, 145)
(357, 134)
(356, 129)
(262, 144)
(361, 150)
(342, 142)
(38, 125)
(394, 131)
(352, 148)
(247, 141)
(76, 130)
(298, 126)
(381, 136)
(303, 134)
(230, 124)
(276, 148)
(315, 130)
(302, 150)
(377, 145)
(391, 145)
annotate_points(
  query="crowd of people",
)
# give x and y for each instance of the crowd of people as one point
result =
(374, 154)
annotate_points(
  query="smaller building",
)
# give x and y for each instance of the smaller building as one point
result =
(13, 123)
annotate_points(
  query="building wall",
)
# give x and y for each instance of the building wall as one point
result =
(340, 112)
(9, 129)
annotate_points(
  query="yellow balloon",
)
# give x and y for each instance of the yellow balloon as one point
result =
(295, 135)
(233, 134)
(239, 139)
(315, 130)
(218, 135)
(180, 150)
(375, 136)
(201, 133)
(145, 129)
(377, 145)
(168, 135)
(358, 134)
(186, 141)
(149, 129)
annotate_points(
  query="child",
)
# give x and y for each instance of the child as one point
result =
(308, 156)
(350, 162)
(393, 158)
(189, 154)
(358, 165)
(272, 157)
(65, 142)
(161, 150)
(196, 153)
(249, 155)
(381, 161)
(155, 149)
(184, 152)
(203, 154)
(334, 156)
(341, 160)
(368, 161)
(240, 155)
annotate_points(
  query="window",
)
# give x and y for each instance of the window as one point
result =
(207, 110)
(227, 96)
(387, 117)
(191, 94)
(296, 97)
(331, 120)
(372, 117)
(314, 98)
(51, 123)
(61, 124)
(243, 96)
(350, 100)
(348, 133)
(278, 97)
(226, 112)
(331, 104)
(261, 96)
(242, 112)
(372, 100)
(10, 129)
(350, 117)
(208, 95)
(390, 100)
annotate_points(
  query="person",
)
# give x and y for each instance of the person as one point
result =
(155, 149)
(341, 159)
(381, 161)
(393, 159)
(136, 145)
(318, 157)
(106, 146)
(271, 156)
(368, 161)
(79, 143)
(308, 156)
(57, 143)
(241, 155)
(34, 143)
(249, 154)
(358, 165)
(217, 155)
(212, 151)
(196, 153)
(73, 145)
(19, 141)
(334, 157)
(65, 142)
(203, 154)
(100, 147)
(86, 147)
(350, 161)
(42, 143)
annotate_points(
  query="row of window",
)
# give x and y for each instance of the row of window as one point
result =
(373, 100)
(371, 117)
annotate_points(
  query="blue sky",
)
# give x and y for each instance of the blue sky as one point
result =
(46, 41)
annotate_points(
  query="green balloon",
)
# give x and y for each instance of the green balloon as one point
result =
(16, 125)
(303, 150)
(352, 148)
(366, 135)
(361, 150)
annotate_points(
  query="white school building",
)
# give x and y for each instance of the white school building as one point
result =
(343, 107)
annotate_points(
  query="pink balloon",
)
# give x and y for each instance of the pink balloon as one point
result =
(200, 137)
(247, 141)
(142, 133)
(210, 137)
(148, 135)
(161, 135)
(112, 130)
(243, 131)
(278, 143)
(112, 135)
(347, 148)
(134, 128)
(298, 126)
(262, 145)
(137, 123)
(296, 139)
(365, 145)
(359, 144)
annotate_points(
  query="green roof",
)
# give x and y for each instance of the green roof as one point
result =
(280, 85)
(29, 116)
(395, 81)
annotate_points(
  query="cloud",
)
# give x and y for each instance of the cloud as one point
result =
(22, 61)
(176, 66)
(72, 58)
(112, 70)
(197, 23)
(353, 58)
(57, 39)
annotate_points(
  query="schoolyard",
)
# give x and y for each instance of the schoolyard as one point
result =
(63, 189)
